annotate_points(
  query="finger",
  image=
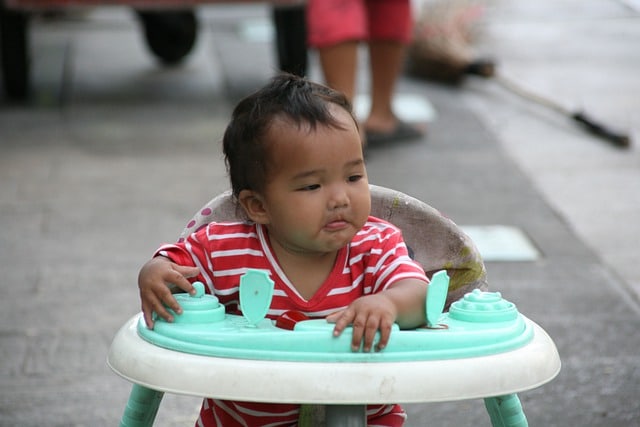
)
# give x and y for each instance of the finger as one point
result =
(385, 334)
(154, 303)
(333, 317)
(370, 330)
(169, 301)
(147, 313)
(175, 277)
(342, 320)
(187, 271)
(162, 312)
(359, 325)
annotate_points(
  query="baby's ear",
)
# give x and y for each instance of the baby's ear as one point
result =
(253, 205)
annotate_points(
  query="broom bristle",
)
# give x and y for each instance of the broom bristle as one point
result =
(441, 48)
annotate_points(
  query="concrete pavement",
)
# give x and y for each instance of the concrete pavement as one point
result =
(113, 154)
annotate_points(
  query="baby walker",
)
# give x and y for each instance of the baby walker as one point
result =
(481, 348)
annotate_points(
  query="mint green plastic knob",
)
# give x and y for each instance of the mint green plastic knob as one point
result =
(198, 308)
(199, 290)
(478, 306)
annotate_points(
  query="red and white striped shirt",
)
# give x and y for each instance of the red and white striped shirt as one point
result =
(375, 258)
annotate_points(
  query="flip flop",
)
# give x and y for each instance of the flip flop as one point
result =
(402, 132)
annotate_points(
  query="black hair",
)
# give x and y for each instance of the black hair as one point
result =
(286, 96)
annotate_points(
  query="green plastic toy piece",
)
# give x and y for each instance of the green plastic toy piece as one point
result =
(478, 306)
(199, 290)
(436, 297)
(479, 324)
(198, 308)
(256, 292)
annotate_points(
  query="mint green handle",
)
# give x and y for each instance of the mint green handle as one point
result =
(436, 297)
(256, 292)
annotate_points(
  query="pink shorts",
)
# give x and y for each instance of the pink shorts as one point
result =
(331, 22)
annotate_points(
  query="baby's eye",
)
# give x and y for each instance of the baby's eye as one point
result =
(355, 178)
(309, 187)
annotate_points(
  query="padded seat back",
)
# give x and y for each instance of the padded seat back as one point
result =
(435, 241)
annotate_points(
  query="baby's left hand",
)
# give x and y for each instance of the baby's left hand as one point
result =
(367, 315)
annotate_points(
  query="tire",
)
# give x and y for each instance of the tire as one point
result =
(170, 35)
(291, 38)
(14, 49)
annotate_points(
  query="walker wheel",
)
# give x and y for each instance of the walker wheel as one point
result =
(170, 35)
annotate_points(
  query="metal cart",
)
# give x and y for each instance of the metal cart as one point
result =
(170, 29)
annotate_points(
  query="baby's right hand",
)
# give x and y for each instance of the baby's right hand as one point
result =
(154, 281)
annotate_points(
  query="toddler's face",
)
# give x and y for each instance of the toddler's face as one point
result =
(317, 192)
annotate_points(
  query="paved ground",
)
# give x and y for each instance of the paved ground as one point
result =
(112, 154)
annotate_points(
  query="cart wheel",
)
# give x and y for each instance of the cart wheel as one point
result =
(170, 35)
(291, 38)
(14, 51)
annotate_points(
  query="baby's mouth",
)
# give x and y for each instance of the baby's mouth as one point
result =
(337, 224)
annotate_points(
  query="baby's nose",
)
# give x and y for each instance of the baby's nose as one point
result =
(338, 199)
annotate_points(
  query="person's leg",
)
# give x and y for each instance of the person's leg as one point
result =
(335, 28)
(390, 29)
(386, 61)
(339, 64)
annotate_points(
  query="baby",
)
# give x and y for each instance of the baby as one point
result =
(294, 156)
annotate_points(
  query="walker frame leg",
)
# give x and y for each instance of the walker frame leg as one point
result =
(142, 407)
(333, 416)
(346, 415)
(506, 411)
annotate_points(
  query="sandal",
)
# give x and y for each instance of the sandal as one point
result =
(402, 132)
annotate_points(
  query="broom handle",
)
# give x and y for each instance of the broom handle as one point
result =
(592, 126)
(599, 129)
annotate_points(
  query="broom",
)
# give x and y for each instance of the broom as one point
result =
(441, 52)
